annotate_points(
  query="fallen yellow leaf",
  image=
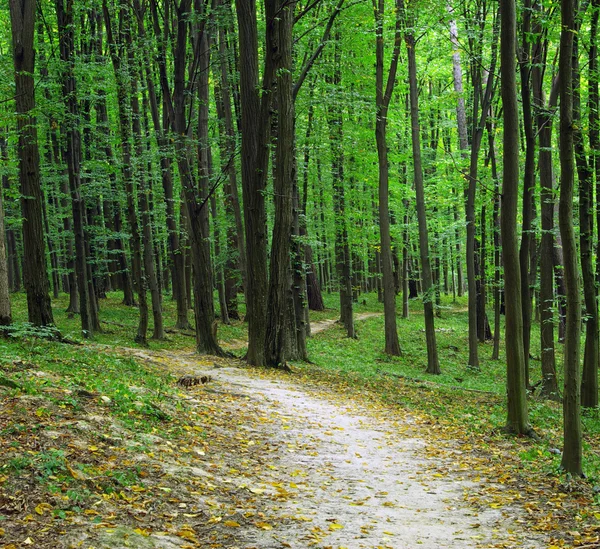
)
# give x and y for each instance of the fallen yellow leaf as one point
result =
(231, 523)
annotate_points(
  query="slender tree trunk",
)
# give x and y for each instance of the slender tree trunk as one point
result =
(5, 311)
(173, 244)
(591, 358)
(383, 97)
(343, 260)
(433, 363)
(73, 159)
(528, 180)
(143, 197)
(517, 421)
(232, 204)
(120, 70)
(279, 45)
(572, 453)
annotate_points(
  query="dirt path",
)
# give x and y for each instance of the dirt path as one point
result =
(313, 468)
(322, 325)
(315, 328)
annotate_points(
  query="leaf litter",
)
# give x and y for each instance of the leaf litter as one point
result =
(258, 459)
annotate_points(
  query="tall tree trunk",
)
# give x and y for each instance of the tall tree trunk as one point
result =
(279, 46)
(478, 121)
(528, 180)
(572, 453)
(433, 363)
(173, 243)
(549, 387)
(235, 232)
(72, 156)
(5, 311)
(591, 359)
(151, 280)
(343, 260)
(383, 95)
(461, 119)
(517, 421)
(39, 306)
(116, 45)
(255, 126)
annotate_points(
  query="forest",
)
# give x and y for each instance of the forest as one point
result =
(242, 175)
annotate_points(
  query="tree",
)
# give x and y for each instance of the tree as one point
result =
(279, 47)
(72, 155)
(433, 363)
(5, 310)
(35, 274)
(571, 459)
(255, 128)
(517, 421)
(544, 120)
(383, 95)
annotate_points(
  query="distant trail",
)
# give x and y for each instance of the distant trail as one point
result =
(315, 328)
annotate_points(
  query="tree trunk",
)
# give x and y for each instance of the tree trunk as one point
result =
(5, 312)
(433, 363)
(572, 453)
(591, 358)
(279, 46)
(174, 246)
(517, 421)
(39, 306)
(343, 260)
(528, 180)
(117, 57)
(382, 98)
(72, 157)
(255, 126)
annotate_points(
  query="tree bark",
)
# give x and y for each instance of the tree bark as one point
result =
(39, 306)
(383, 96)
(279, 46)
(255, 126)
(433, 363)
(517, 420)
(572, 452)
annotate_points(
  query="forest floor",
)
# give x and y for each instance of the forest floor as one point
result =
(102, 447)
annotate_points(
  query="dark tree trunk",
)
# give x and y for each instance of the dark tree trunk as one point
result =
(72, 157)
(39, 306)
(279, 46)
(313, 288)
(151, 280)
(235, 232)
(517, 420)
(433, 363)
(5, 311)
(478, 122)
(528, 180)
(255, 126)
(572, 452)
(591, 359)
(383, 95)
(161, 129)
